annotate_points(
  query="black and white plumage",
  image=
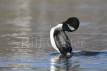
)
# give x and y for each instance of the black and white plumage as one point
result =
(58, 37)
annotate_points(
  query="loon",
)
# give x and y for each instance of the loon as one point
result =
(59, 39)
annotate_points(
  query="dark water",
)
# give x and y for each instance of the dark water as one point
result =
(24, 35)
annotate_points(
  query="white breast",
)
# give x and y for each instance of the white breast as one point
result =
(58, 27)
(52, 39)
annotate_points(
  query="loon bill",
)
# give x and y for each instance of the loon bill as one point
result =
(58, 37)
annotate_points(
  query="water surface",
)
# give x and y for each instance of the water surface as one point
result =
(24, 35)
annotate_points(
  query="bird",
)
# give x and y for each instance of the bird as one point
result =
(58, 37)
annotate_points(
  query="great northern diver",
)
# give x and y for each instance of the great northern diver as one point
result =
(58, 37)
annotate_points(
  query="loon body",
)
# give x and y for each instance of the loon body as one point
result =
(58, 37)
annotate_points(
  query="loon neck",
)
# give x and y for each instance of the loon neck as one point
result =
(59, 27)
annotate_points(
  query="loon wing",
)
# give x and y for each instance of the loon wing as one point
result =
(62, 42)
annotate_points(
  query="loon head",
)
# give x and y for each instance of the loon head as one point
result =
(71, 24)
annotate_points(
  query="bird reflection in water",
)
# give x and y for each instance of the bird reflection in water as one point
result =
(60, 63)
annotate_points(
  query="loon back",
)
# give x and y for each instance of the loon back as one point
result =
(62, 42)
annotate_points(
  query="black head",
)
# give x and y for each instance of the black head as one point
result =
(71, 24)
